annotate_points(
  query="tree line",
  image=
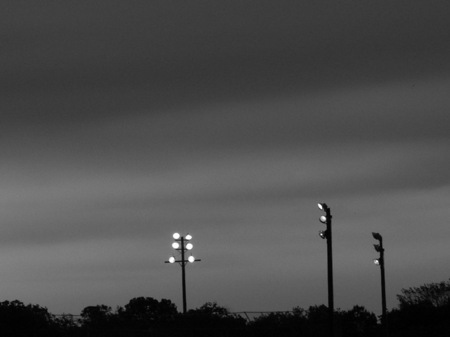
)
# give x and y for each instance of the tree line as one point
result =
(422, 311)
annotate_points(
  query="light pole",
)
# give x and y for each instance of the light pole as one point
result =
(181, 246)
(326, 234)
(380, 262)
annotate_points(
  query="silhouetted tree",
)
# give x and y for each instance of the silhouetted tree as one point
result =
(211, 320)
(145, 314)
(317, 321)
(67, 326)
(17, 319)
(97, 320)
(423, 311)
(357, 322)
(211, 309)
(147, 310)
(292, 323)
(431, 294)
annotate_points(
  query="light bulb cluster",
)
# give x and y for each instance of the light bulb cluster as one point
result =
(182, 245)
(325, 219)
(379, 248)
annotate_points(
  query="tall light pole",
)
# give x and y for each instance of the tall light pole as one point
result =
(380, 262)
(182, 247)
(326, 234)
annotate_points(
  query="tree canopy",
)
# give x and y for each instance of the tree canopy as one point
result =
(422, 311)
(431, 294)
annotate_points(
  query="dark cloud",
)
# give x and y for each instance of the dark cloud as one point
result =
(85, 54)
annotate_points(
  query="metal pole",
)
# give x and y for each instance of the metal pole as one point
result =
(330, 274)
(180, 246)
(183, 274)
(383, 290)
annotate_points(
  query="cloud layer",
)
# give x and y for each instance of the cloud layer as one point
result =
(122, 123)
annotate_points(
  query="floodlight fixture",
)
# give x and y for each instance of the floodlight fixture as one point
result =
(380, 262)
(377, 236)
(326, 234)
(181, 246)
(322, 206)
(323, 234)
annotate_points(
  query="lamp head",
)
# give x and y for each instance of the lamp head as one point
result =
(176, 236)
(323, 234)
(377, 236)
(323, 206)
(188, 237)
(378, 248)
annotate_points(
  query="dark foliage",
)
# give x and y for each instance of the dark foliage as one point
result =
(66, 325)
(428, 295)
(211, 320)
(314, 322)
(98, 320)
(423, 311)
(357, 322)
(17, 319)
(142, 316)
(280, 324)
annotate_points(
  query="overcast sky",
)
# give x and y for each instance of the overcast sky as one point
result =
(125, 121)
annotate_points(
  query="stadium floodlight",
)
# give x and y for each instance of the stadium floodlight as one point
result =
(322, 206)
(181, 246)
(326, 234)
(380, 262)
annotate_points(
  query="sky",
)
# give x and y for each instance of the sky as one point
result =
(123, 122)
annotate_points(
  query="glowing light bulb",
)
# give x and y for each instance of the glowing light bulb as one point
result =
(322, 206)
(323, 234)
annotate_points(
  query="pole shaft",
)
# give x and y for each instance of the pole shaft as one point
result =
(183, 274)
(383, 292)
(330, 275)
